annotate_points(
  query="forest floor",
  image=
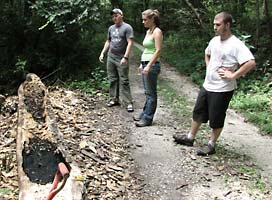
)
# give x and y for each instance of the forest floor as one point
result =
(122, 162)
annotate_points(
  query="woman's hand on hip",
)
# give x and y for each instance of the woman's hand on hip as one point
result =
(146, 70)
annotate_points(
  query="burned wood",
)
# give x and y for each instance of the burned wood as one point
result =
(40, 160)
(40, 147)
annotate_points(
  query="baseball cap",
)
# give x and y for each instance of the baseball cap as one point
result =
(116, 11)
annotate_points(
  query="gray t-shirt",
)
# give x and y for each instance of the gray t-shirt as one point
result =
(118, 36)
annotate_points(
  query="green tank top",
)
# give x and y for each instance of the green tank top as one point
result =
(149, 48)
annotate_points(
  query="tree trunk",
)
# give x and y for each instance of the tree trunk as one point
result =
(39, 146)
(269, 20)
(257, 33)
(197, 15)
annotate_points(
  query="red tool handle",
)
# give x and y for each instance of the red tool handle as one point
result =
(62, 171)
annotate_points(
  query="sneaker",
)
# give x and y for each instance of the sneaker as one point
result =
(183, 139)
(137, 118)
(142, 123)
(208, 151)
(112, 103)
(130, 108)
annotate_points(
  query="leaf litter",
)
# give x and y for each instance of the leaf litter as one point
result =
(96, 141)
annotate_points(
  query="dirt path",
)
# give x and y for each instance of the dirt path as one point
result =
(239, 135)
(103, 140)
(173, 172)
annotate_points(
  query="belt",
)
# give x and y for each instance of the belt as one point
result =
(146, 62)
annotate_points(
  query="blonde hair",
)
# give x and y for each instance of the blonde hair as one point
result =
(149, 13)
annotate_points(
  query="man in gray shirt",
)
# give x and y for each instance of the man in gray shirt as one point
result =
(118, 45)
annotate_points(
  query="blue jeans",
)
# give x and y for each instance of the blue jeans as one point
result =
(150, 87)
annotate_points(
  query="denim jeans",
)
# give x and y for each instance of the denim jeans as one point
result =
(150, 87)
(118, 78)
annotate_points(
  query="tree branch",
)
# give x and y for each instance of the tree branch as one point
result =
(197, 15)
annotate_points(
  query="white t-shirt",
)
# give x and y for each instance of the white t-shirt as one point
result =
(229, 53)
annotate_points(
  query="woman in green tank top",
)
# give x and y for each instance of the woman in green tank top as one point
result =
(150, 66)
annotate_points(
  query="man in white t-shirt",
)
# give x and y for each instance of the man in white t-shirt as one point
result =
(227, 58)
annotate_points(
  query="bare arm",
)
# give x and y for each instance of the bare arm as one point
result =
(104, 50)
(243, 70)
(158, 37)
(128, 50)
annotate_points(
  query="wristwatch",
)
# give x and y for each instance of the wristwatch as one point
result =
(125, 58)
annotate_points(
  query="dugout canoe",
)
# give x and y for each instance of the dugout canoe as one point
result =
(44, 165)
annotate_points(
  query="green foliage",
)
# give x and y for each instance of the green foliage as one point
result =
(11, 44)
(71, 51)
(54, 39)
(260, 184)
(256, 104)
(20, 65)
(64, 13)
(186, 55)
(5, 191)
(252, 172)
(244, 37)
(97, 81)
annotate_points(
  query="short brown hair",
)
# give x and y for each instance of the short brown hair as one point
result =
(227, 17)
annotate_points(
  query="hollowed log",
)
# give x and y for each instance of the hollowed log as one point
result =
(40, 146)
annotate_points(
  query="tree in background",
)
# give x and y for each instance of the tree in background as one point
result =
(60, 38)
(46, 37)
(187, 26)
